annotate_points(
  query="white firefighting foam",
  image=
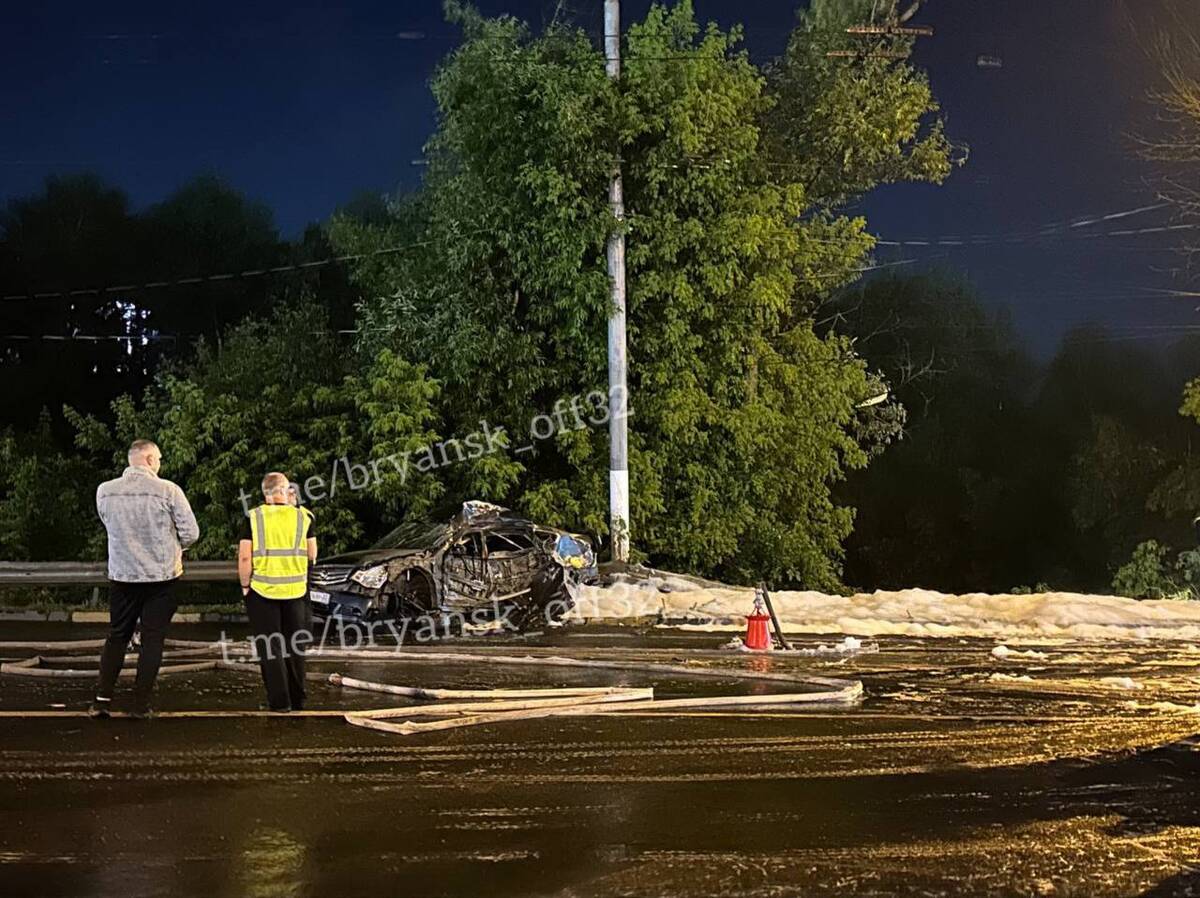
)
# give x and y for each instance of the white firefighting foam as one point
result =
(675, 599)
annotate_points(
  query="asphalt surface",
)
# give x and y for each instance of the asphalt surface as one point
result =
(946, 780)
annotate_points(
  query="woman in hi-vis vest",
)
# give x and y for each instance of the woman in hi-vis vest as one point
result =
(273, 560)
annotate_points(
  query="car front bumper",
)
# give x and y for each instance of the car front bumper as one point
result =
(329, 602)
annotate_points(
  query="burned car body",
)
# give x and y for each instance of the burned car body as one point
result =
(485, 564)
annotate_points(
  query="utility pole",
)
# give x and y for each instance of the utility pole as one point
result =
(618, 396)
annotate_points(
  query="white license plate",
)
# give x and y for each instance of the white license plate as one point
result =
(321, 598)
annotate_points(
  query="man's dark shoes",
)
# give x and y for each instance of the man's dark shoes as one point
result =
(101, 709)
(141, 712)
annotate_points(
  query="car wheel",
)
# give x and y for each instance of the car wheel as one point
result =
(549, 600)
(413, 598)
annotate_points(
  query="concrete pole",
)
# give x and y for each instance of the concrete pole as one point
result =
(618, 396)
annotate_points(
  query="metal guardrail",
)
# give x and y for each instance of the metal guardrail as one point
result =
(95, 573)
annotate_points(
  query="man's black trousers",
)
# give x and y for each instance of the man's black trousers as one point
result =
(153, 604)
(282, 629)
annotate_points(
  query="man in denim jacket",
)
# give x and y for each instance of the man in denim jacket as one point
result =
(149, 524)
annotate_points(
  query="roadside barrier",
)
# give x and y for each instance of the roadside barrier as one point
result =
(95, 573)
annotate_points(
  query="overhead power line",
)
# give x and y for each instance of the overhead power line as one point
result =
(151, 337)
(212, 278)
(1084, 222)
(1062, 229)
(992, 239)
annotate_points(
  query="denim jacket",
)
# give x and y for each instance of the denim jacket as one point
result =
(149, 524)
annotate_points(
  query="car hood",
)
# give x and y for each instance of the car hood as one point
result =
(367, 556)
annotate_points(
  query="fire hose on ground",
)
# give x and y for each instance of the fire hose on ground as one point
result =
(573, 702)
(457, 708)
(37, 665)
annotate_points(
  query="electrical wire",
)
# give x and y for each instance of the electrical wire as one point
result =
(153, 337)
(1043, 232)
(992, 239)
(226, 276)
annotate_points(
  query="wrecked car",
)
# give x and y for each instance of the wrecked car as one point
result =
(485, 565)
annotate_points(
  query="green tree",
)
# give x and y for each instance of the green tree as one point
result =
(1111, 478)
(76, 233)
(743, 417)
(206, 227)
(1107, 409)
(83, 255)
(1148, 575)
(282, 394)
(1172, 142)
(958, 502)
(1177, 495)
(840, 127)
(45, 497)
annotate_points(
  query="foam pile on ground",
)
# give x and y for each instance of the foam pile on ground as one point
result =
(848, 646)
(1004, 653)
(676, 599)
(1168, 707)
(1121, 682)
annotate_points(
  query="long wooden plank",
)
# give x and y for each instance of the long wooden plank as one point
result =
(727, 673)
(378, 720)
(502, 705)
(338, 679)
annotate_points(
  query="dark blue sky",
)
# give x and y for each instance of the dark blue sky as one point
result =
(305, 105)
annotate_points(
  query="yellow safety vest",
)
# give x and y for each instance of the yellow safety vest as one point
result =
(279, 550)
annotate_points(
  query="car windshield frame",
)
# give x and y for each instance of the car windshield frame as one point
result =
(413, 535)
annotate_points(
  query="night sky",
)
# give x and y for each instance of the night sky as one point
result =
(303, 106)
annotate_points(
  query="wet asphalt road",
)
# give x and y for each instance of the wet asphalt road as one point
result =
(946, 780)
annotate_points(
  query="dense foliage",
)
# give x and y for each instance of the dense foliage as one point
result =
(281, 394)
(1013, 472)
(743, 416)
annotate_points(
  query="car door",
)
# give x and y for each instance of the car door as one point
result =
(465, 579)
(511, 559)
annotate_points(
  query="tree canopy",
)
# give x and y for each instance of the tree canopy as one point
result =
(282, 393)
(742, 415)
